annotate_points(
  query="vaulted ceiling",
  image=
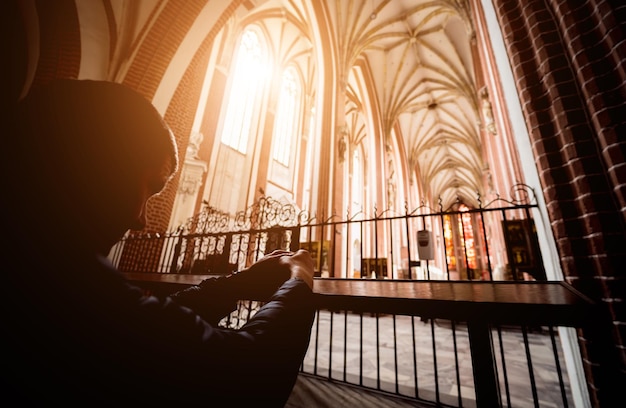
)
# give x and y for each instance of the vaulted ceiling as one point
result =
(408, 63)
(420, 62)
(416, 56)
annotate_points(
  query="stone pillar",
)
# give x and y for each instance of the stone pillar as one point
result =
(191, 177)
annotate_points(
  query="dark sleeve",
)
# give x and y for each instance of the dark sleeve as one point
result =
(281, 330)
(212, 299)
(255, 365)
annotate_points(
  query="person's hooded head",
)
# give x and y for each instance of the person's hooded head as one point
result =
(83, 157)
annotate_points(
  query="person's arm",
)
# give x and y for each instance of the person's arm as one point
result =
(281, 330)
(214, 298)
(256, 365)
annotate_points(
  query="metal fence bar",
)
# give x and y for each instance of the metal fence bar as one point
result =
(558, 367)
(483, 365)
(456, 364)
(504, 371)
(414, 350)
(435, 369)
(330, 346)
(361, 349)
(377, 352)
(531, 373)
(345, 345)
(408, 243)
(395, 355)
(317, 336)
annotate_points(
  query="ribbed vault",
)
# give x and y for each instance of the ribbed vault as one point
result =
(419, 58)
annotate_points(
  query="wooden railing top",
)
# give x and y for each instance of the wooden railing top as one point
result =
(503, 302)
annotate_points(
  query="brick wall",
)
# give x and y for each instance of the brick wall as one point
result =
(59, 41)
(60, 57)
(568, 63)
(145, 75)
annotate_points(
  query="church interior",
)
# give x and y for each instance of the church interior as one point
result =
(398, 140)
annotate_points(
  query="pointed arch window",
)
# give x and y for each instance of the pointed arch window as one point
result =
(463, 249)
(286, 124)
(251, 69)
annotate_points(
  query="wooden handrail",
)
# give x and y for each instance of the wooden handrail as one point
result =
(498, 302)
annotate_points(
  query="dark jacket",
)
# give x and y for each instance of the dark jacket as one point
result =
(77, 332)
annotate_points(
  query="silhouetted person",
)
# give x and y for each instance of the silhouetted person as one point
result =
(80, 159)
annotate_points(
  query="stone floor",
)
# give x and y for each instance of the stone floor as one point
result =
(313, 392)
(430, 364)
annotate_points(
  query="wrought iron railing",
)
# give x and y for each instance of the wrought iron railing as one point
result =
(423, 354)
(453, 344)
(495, 241)
(430, 360)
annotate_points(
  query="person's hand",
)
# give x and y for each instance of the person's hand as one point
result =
(269, 269)
(261, 279)
(264, 277)
(301, 266)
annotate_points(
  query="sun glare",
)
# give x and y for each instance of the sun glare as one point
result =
(251, 71)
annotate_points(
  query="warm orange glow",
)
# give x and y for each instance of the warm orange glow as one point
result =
(251, 71)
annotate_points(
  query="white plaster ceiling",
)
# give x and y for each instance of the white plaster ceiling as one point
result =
(416, 58)
(420, 59)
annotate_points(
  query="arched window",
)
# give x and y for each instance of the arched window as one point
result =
(462, 239)
(285, 126)
(249, 74)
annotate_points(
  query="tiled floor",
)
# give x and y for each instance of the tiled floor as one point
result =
(434, 362)
(312, 392)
